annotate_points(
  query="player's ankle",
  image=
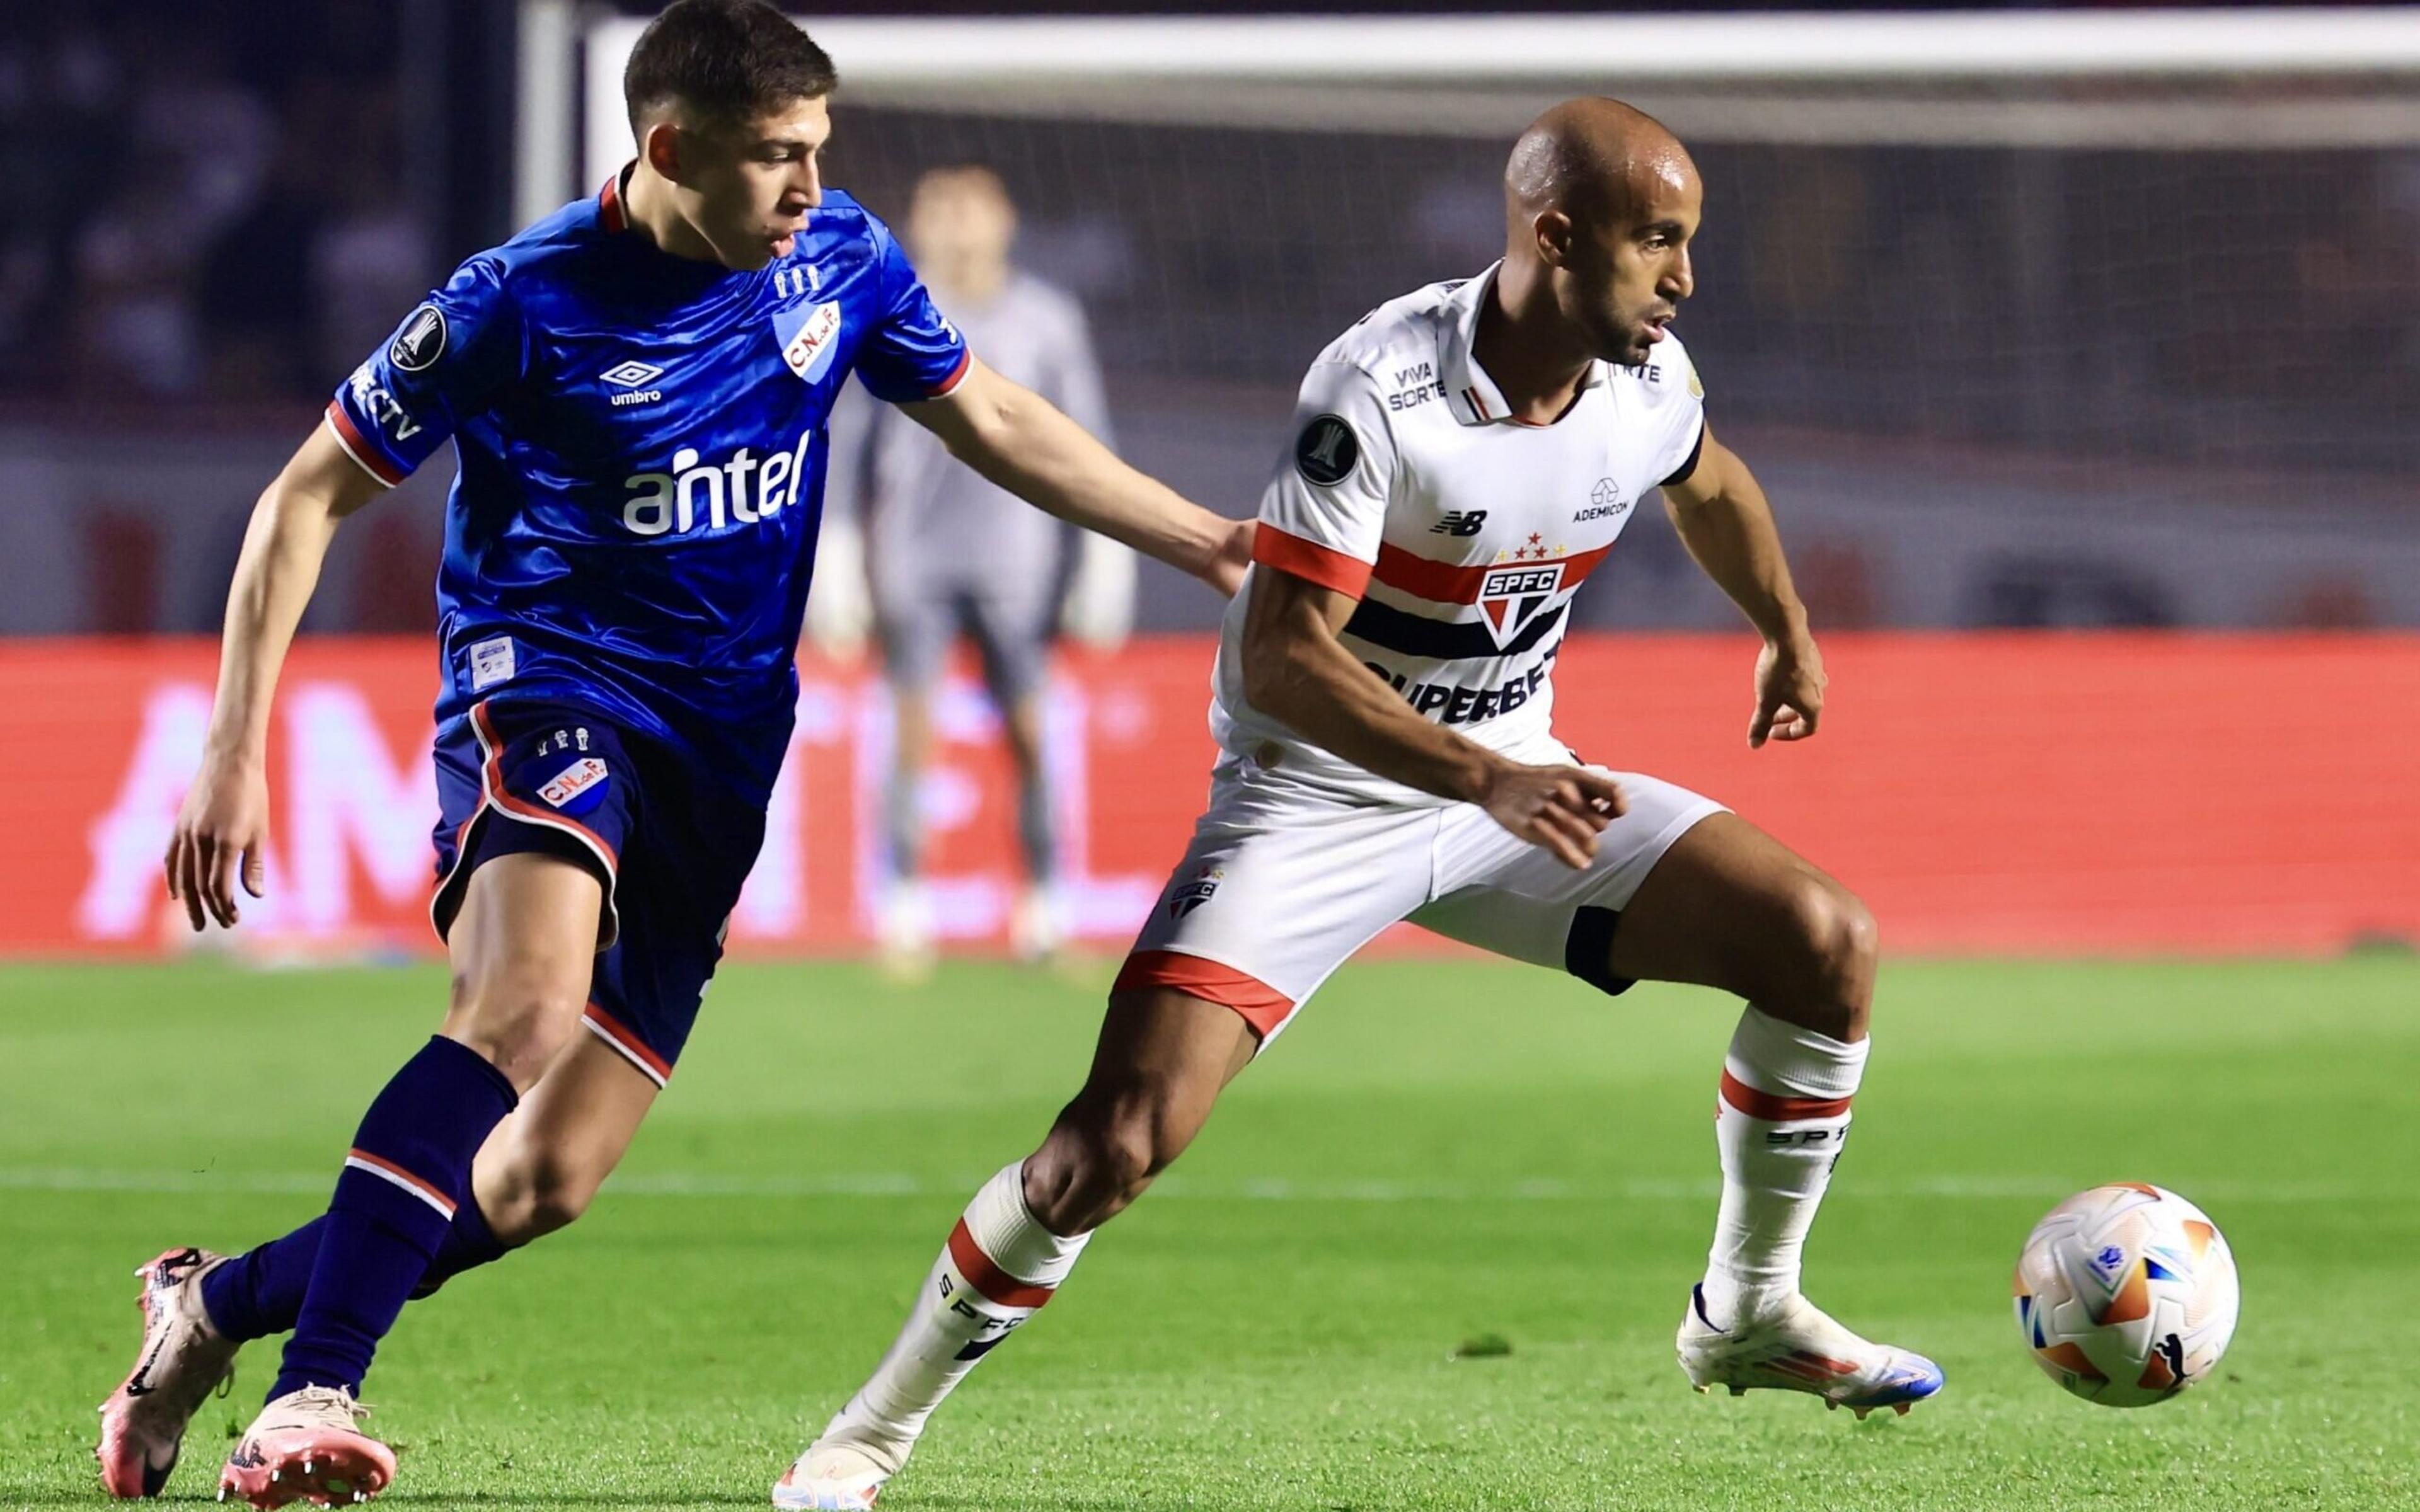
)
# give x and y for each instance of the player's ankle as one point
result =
(1728, 1301)
(887, 1445)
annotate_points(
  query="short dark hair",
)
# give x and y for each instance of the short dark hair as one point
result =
(731, 60)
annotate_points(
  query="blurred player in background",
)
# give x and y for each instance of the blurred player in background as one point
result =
(1463, 457)
(946, 551)
(637, 388)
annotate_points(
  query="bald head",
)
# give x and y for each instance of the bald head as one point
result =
(1600, 203)
(1593, 159)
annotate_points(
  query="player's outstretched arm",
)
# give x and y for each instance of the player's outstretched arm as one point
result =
(224, 819)
(1295, 670)
(1020, 441)
(1724, 520)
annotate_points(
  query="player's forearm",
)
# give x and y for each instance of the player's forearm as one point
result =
(1049, 461)
(1734, 539)
(1315, 687)
(282, 550)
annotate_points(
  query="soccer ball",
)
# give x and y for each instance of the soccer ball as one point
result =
(2126, 1294)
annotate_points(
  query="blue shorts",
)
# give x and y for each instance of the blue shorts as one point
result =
(669, 844)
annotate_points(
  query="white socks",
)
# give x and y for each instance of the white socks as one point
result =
(1779, 1120)
(1000, 1266)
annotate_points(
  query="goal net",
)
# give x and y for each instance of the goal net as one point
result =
(2029, 319)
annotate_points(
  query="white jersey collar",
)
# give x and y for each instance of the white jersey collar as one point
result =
(1470, 394)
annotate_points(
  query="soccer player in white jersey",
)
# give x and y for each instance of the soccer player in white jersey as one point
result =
(1463, 457)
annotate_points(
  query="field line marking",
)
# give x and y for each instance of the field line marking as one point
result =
(1257, 1189)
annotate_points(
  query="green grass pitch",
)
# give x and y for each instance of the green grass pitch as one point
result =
(1436, 1153)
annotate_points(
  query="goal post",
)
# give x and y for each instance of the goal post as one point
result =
(2033, 317)
(2329, 76)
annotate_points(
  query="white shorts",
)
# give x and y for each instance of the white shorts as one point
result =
(1280, 886)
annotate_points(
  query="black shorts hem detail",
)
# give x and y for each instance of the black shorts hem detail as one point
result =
(1587, 949)
(485, 842)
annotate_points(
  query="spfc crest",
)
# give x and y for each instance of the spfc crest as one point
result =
(810, 336)
(1510, 597)
(1194, 891)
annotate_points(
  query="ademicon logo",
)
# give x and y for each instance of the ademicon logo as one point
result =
(745, 486)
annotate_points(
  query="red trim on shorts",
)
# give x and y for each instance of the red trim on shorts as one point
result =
(520, 807)
(1263, 1006)
(1773, 1109)
(461, 833)
(609, 924)
(1310, 560)
(1453, 583)
(998, 1287)
(624, 1039)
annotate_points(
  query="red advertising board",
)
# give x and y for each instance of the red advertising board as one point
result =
(2040, 793)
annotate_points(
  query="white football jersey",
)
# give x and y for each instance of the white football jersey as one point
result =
(1463, 531)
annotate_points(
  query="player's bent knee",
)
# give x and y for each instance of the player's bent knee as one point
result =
(528, 1186)
(1129, 1152)
(516, 1216)
(1838, 945)
(550, 1195)
(1843, 936)
(516, 1020)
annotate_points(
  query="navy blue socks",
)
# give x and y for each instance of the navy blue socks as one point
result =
(398, 1195)
(259, 1292)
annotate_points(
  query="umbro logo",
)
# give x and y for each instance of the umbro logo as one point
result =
(633, 376)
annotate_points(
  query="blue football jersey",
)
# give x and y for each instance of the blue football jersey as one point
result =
(641, 451)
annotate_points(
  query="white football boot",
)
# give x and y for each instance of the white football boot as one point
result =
(838, 1475)
(181, 1361)
(304, 1448)
(1796, 1347)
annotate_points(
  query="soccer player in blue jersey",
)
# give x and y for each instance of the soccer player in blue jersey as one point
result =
(636, 388)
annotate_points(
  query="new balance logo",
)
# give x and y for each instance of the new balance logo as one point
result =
(634, 375)
(1464, 523)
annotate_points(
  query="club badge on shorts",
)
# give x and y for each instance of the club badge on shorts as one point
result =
(565, 774)
(1194, 891)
